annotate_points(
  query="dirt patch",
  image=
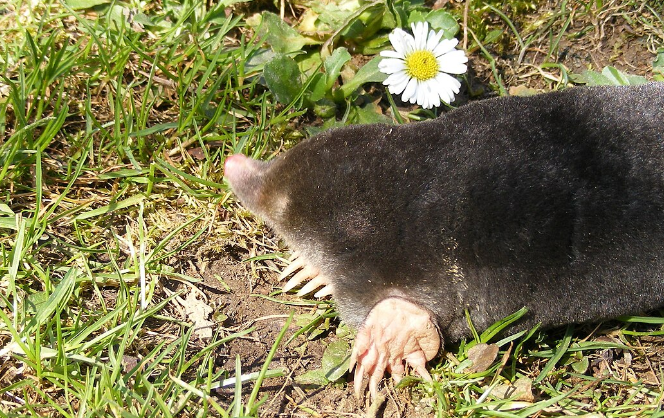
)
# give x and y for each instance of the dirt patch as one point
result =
(239, 298)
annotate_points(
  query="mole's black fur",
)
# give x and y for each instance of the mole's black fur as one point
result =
(553, 202)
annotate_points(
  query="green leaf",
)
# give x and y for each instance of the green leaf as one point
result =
(279, 35)
(333, 65)
(131, 201)
(57, 300)
(497, 327)
(581, 366)
(33, 302)
(493, 36)
(619, 78)
(559, 352)
(85, 4)
(369, 73)
(611, 76)
(232, 2)
(658, 64)
(416, 16)
(312, 378)
(283, 78)
(336, 360)
(318, 87)
(442, 20)
(367, 115)
(5, 209)
(8, 222)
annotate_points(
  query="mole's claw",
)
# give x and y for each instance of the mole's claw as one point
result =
(373, 384)
(357, 380)
(397, 369)
(296, 264)
(306, 273)
(418, 362)
(314, 284)
(325, 291)
(397, 378)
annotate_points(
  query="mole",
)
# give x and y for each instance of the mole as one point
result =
(553, 202)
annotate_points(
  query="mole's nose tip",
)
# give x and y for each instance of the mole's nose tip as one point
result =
(234, 163)
(237, 167)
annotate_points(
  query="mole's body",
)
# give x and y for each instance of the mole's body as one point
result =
(553, 202)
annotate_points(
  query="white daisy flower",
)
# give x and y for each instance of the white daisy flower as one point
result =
(420, 66)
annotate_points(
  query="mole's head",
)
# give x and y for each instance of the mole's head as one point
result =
(332, 188)
(255, 185)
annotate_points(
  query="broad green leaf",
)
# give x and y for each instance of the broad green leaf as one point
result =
(283, 78)
(312, 378)
(416, 16)
(611, 76)
(442, 20)
(325, 108)
(8, 222)
(318, 87)
(85, 4)
(34, 301)
(658, 64)
(279, 35)
(367, 115)
(592, 78)
(336, 360)
(333, 65)
(369, 73)
(582, 365)
(332, 15)
(257, 60)
(619, 78)
(5, 209)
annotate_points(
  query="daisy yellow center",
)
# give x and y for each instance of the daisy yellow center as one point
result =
(421, 65)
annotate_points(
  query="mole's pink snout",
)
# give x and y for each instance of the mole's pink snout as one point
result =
(236, 167)
(246, 179)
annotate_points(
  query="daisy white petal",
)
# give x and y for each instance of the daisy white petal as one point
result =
(397, 82)
(433, 39)
(445, 46)
(434, 92)
(420, 38)
(410, 93)
(448, 87)
(399, 40)
(391, 65)
(391, 54)
(421, 93)
(452, 63)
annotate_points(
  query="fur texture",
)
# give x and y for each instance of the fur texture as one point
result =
(554, 202)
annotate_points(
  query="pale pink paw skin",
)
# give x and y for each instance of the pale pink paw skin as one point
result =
(395, 334)
(307, 274)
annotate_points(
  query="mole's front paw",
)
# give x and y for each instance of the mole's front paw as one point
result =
(396, 331)
(305, 273)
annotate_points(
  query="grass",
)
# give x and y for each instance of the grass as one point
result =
(115, 119)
